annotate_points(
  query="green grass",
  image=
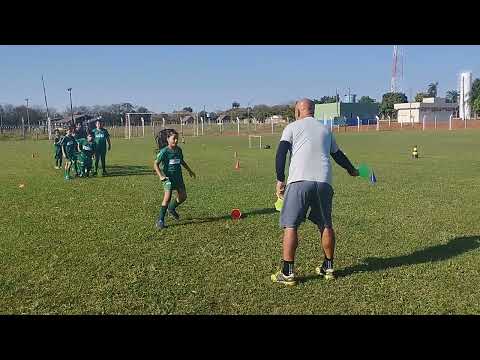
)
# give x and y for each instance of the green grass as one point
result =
(408, 245)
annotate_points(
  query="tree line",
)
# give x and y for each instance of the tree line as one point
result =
(11, 115)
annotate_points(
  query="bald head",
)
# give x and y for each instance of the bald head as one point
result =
(304, 108)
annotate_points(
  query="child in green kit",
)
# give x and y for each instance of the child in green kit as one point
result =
(86, 151)
(57, 145)
(69, 151)
(168, 168)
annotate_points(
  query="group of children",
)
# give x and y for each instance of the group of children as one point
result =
(79, 152)
(79, 149)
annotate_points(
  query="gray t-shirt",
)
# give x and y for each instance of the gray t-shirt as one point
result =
(312, 142)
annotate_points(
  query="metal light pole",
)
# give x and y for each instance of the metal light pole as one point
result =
(71, 106)
(28, 116)
(49, 124)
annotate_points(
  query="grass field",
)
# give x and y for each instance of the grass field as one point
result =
(408, 245)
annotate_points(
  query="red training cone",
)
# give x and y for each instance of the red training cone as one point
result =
(236, 214)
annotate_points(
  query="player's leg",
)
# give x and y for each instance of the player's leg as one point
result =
(175, 202)
(167, 187)
(321, 215)
(294, 209)
(76, 165)
(102, 158)
(97, 158)
(68, 165)
(81, 165)
(88, 167)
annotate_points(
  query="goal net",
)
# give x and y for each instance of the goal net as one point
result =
(254, 141)
(135, 124)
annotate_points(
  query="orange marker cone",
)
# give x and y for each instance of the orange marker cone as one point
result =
(237, 165)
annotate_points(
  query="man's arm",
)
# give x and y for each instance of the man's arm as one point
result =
(283, 148)
(342, 160)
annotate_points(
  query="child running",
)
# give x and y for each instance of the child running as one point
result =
(69, 150)
(57, 144)
(170, 156)
(86, 151)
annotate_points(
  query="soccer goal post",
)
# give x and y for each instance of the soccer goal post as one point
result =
(138, 120)
(250, 137)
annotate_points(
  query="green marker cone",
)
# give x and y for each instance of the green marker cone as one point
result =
(364, 171)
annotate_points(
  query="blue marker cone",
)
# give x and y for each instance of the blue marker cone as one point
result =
(373, 179)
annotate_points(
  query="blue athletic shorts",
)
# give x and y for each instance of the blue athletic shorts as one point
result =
(302, 196)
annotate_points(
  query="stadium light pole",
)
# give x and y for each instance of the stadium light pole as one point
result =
(28, 116)
(71, 106)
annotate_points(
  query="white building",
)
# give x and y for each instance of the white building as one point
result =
(275, 119)
(431, 108)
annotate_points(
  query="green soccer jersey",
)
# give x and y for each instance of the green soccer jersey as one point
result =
(57, 142)
(69, 145)
(87, 149)
(101, 136)
(170, 161)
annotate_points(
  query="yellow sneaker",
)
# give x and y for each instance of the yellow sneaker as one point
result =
(328, 274)
(279, 277)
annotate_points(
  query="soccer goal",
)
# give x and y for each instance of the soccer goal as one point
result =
(250, 142)
(137, 121)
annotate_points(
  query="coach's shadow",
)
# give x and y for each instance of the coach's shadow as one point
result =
(129, 170)
(264, 211)
(454, 247)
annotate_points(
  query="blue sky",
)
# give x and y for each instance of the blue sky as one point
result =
(164, 78)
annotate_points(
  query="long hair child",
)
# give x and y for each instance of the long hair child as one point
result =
(168, 166)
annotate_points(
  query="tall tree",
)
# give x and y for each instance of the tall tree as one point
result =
(419, 97)
(476, 105)
(432, 89)
(366, 100)
(142, 109)
(235, 105)
(188, 109)
(388, 100)
(325, 100)
(475, 92)
(452, 96)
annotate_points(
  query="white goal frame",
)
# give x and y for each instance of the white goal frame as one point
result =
(128, 127)
(250, 140)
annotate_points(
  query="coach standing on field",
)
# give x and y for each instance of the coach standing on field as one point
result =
(309, 186)
(102, 137)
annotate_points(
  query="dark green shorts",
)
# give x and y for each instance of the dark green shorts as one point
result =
(87, 162)
(72, 157)
(173, 184)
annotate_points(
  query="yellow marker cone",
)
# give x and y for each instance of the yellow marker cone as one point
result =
(279, 204)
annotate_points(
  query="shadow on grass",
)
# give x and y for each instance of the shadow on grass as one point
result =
(224, 217)
(454, 247)
(129, 170)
